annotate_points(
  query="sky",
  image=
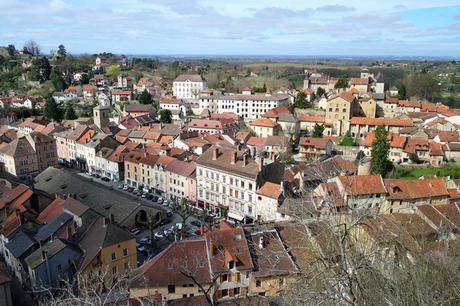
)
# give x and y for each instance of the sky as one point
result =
(236, 27)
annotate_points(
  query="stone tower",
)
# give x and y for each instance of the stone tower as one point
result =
(101, 116)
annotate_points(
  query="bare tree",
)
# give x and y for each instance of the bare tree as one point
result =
(32, 48)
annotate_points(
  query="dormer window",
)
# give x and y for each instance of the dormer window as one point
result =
(231, 265)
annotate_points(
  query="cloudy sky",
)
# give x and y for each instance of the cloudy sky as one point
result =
(239, 27)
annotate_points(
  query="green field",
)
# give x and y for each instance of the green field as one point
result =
(452, 170)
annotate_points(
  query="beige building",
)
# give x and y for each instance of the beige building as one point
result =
(19, 157)
(340, 108)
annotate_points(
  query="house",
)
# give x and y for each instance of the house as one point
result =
(52, 264)
(265, 127)
(397, 145)
(45, 148)
(137, 110)
(361, 84)
(270, 196)
(110, 162)
(283, 116)
(405, 195)
(174, 272)
(5, 287)
(270, 277)
(124, 81)
(174, 105)
(188, 86)
(89, 92)
(356, 192)
(108, 249)
(340, 108)
(359, 126)
(218, 126)
(19, 157)
(15, 250)
(62, 97)
(314, 148)
(181, 178)
(308, 122)
(119, 95)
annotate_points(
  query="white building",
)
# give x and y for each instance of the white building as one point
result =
(248, 106)
(188, 86)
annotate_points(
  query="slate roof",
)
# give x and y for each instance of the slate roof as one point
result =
(48, 230)
(51, 248)
(98, 197)
(20, 243)
(101, 235)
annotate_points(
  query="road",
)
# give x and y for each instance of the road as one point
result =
(158, 245)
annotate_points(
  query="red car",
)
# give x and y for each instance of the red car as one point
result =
(130, 189)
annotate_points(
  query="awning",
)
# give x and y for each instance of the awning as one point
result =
(235, 216)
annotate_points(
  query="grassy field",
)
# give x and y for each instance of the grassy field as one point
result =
(452, 170)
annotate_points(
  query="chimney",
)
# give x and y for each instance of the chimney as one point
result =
(106, 221)
(233, 158)
(211, 247)
(215, 153)
(261, 163)
(261, 242)
(245, 159)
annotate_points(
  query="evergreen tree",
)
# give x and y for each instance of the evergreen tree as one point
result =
(145, 98)
(70, 112)
(320, 92)
(165, 116)
(402, 92)
(342, 82)
(62, 52)
(51, 109)
(301, 100)
(318, 131)
(380, 152)
(57, 80)
(348, 140)
(40, 69)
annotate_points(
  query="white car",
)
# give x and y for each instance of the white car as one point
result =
(125, 187)
(141, 248)
(145, 240)
(179, 226)
(121, 186)
(159, 235)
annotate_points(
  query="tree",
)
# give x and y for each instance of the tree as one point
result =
(40, 69)
(51, 109)
(320, 92)
(414, 158)
(11, 50)
(70, 113)
(380, 152)
(348, 140)
(301, 100)
(165, 116)
(113, 70)
(62, 53)
(32, 48)
(342, 82)
(402, 92)
(57, 80)
(421, 85)
(145, 98)
(318, 131)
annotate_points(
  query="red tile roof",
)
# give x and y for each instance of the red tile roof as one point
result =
(270, 190)
(317, 143)
(312, 118)
(415, 189)
(263, 122)
(275, 112)
(362, 184)
(405, 122)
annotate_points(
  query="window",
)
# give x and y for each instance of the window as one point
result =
(126, 266)
(223, 278)
(171, 289)
(237, 276)
(184, 296)
(236, 291)
(114, 270)
(59, 268)
(231, 264)
(258, 283)
(114, 256)
(224, 292)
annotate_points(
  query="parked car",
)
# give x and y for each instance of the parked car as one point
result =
(170, 230)
(159, 235)
(168, 213)
(165, 203)
(154, 198)
(105, 179)
(135, 231)
(139, 193)
(195, 223)
(144, 195)
(141, 248)
(95, 175)
(164, 221)
(160, 200)
(149, 196)
(121, 186)
(145, 240)
(130, 189)
(179, 226)
(125, 188)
